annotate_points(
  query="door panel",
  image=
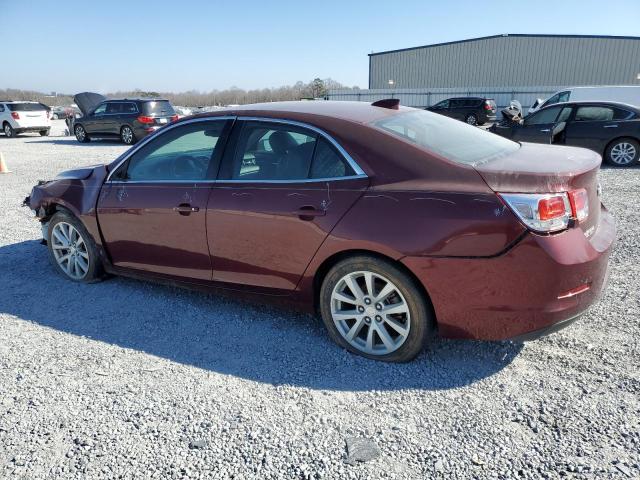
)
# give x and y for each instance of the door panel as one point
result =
(265, 235)
(144, 229)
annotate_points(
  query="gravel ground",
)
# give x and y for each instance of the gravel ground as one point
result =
(126, 379)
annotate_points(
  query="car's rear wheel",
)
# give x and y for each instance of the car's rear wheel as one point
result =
(372, 308)
(44, 133)
(471, 119)
(81, 134)
(622, 152)
(127, 136)
(8, 130)
(72, 249)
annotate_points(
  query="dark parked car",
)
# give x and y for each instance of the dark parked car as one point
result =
(611, 129)
(129, 119)
(473, 110)
(392, 222)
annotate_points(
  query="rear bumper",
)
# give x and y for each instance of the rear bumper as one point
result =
(32, 129)
(527, 292)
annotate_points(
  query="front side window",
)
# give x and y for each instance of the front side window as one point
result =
(545, 116)
(594, 114)
(183, 153)
(449, 138)
(267, 152)
(101, 109)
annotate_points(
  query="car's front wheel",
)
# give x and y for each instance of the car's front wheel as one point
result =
(622, 152)
(81, 134)
(8, 130)
(72, 249)
(127, 136)
(374, 309)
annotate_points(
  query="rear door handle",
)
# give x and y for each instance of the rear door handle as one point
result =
(309, 213)
(545, 130)
(611, 126)
(185, 209)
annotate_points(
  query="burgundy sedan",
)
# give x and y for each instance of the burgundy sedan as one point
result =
(392, 222)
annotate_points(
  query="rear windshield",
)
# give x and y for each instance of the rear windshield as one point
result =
(26, 107)
(451, 139)
(160, 107)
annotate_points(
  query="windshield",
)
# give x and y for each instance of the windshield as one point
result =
(452, 139)
(26, 107)
(160, 107)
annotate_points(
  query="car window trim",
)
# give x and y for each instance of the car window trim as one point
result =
(359, 173)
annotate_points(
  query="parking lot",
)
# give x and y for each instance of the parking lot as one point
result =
(127, 379)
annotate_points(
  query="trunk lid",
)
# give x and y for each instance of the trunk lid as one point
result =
(31, 114)
(160, 110)
(87, 101)
(536, 168)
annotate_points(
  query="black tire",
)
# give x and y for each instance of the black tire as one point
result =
(54, 116)
(44, 133)
(612, 157)
(127, 136)
(95, 270)
(81, 134)
(8, 130)
(471, 119)
(422, 322)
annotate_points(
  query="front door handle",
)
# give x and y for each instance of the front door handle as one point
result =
(308, 212)
(611, 126)
(185, 209)
(545, 130)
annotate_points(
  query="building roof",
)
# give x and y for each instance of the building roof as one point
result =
(614, 37)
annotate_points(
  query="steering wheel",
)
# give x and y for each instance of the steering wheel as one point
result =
(185, 166)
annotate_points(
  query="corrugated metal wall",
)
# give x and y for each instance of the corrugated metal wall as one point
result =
(425, 97)
(512, 61)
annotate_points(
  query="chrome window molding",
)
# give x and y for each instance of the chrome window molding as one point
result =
(359, 173)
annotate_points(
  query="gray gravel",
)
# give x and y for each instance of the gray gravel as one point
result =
(126, 379)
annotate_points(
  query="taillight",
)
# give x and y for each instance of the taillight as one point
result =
(579, 201)
(146, 119)
(15, 115)
(548, 212)
(540, 212)
(487, 106)
(174, 118)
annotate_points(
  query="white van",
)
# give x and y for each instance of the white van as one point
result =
(622, 94)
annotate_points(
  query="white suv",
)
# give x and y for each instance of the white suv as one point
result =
(18, 117)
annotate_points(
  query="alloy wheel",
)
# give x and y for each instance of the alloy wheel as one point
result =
(127, 135)
(472, 120)
(80, 133)
(370, 313)
(70, 250)
(623, 153)
(7, 130)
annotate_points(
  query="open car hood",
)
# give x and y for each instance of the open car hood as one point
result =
(87, 101)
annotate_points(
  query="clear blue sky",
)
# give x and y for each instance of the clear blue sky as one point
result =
(70, 46)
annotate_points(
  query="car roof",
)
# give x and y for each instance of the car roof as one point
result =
(358, 112)
(625, 106)
(17, 101)
(136, 99)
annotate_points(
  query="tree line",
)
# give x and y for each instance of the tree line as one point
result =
(316, 88)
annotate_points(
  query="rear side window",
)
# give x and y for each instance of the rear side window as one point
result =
(283, 152)
(594, 114)
(26, 107)
(452, 139)
(113, 108)
(158, 108)
(1, 108)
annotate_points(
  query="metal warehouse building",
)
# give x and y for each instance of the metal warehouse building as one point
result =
(500, 66)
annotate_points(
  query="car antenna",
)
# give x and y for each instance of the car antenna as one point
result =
(390, 103)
